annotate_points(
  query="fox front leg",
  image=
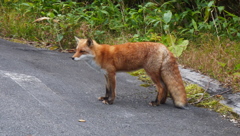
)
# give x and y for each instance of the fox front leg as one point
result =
(110, 89)
(104, 98)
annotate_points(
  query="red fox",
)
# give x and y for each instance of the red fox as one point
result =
(158, 62)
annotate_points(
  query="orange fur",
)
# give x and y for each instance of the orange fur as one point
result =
(154, 58)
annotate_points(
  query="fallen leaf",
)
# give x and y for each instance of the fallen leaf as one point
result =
(55, 20)
(218, 95)
(41, 19)
(81, 120)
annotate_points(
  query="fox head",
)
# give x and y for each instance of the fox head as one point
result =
(84, 49)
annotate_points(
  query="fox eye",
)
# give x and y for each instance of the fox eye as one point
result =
(81, 51)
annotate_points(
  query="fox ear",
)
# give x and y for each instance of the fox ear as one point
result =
(89, 42)
(77, 39)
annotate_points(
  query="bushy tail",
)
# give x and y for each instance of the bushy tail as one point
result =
(173, 80)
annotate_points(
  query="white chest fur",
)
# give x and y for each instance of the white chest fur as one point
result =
(89, 59)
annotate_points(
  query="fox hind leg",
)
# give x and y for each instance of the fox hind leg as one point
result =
(162, 94)
(165, 92)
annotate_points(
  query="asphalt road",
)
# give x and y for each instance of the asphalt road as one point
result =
(45, 93)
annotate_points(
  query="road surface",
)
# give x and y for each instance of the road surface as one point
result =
(45, 93)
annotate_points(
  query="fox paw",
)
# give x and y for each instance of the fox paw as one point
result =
(153, 103)
(185, 107)
(102, 98)
(107, 102)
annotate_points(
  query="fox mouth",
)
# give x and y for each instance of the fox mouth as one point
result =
(74, 58)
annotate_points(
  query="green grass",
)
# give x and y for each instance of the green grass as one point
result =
(16, 25)
(200, 98)
(141, 74)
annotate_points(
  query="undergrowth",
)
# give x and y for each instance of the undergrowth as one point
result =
(56, 22)
(218, 59)
(199, 97)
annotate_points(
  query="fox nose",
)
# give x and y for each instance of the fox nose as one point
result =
(72, 58)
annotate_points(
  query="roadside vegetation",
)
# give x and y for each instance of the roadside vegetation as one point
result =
(202, 34)
(197, 96)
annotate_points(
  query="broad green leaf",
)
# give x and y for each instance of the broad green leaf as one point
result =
(59, 37)
(194, 24)
(191, 31)
(183, 44)
(171, 40)
(167, 16)
(171, 49)
(220, 8)
(176, 50)
(50, 14)
(166, 27)
(210, 3)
